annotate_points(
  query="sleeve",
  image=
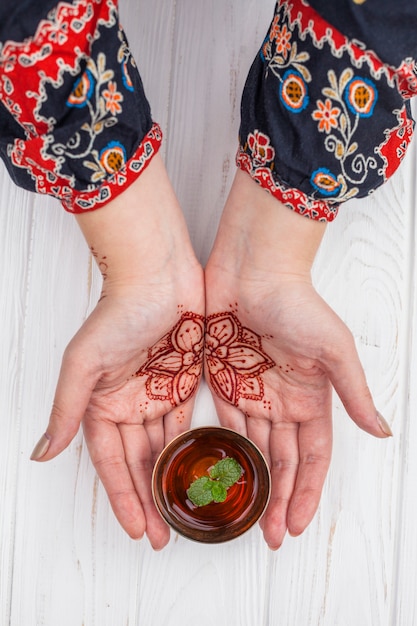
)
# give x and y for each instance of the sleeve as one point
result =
(74, 119)
(323, 118)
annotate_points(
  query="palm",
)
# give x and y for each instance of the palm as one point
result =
(271, 359)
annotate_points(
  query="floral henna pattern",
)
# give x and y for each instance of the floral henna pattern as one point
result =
(235, 359)
(174, 364)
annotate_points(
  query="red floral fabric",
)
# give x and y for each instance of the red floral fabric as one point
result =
(324, 119)
(73, 92)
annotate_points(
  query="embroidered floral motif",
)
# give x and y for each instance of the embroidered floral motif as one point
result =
(361, 96)
(103, 111)
(260, 147)
(279, 54)
(343, 140)
(113, 157)
(309, 23)
(347, 100)
(113, 98)
(281, 37)
(235, 359)
(293, 91)
(83, 90)
(174, 365)
(326, 182)
(326, 114)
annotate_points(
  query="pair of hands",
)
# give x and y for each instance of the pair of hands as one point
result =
(273, 350)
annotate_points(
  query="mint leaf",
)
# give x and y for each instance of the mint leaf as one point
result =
(218, 491)
(199, 491)
(223, 475)
(228, 471)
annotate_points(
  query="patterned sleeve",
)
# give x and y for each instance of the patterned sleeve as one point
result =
(74, 119)
(323, 117)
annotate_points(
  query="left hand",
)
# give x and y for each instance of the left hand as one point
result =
(271, 362)
(274, 349)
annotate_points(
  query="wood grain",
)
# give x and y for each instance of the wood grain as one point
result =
(64, 561)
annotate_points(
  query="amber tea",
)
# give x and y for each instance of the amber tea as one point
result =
(191, 456)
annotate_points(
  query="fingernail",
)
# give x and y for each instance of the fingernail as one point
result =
(383, 424)
(41, 447)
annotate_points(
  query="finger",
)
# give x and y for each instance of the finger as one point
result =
(72, 396)
(348, 378)
(107, 453)
(139, 460)
(315, 448)
(155, 433)
(230, 416)
(259, 431)
(284, 467)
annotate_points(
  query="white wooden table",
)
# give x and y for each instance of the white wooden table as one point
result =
(64, 561)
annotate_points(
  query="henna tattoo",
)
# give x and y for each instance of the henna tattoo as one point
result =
(287, 368)
(235, 359)
(174, 364)
(102, 266)
(101, 262)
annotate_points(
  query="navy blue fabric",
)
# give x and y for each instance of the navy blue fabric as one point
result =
(321, 114)
(389, 27)
(20, 18)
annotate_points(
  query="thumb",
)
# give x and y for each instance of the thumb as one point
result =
(72, 396)
(348, 378)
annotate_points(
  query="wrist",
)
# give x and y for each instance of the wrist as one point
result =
(258, 234)
(141, 234)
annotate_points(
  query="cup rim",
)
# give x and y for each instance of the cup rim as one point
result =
(218, 535)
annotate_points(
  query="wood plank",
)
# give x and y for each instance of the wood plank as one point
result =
(150, 31)
(56, 303)
(61, 575)
(15, 246)
(214, 46)
(404, 601)
(343, 570)
(63, 558)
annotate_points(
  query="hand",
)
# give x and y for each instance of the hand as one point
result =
(131, 372)
(274, 349)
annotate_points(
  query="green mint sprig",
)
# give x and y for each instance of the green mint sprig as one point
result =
(213, 488)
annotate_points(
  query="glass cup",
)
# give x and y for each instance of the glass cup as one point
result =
(189, 457)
